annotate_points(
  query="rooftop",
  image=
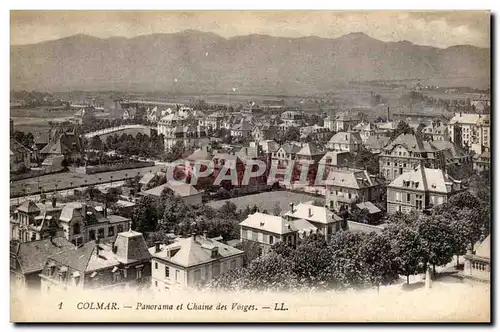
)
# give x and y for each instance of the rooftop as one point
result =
(269, 223)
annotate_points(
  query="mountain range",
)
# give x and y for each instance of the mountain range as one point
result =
(194, 61)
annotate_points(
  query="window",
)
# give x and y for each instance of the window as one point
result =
(156, 283)
(92, 234)
(408, 197)
(233, 264)
(349, 195)
(100, 233)
(138, 274)
(419, 202)
(156, 266)
(177, 276)
(167, 272)
(197, 275)
(76, 228)
(216, 269)
(119, 229)
(111, 231)
(271, 239)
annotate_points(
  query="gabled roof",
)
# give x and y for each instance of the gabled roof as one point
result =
(181, 189)
(345, 138)
(372, 208)
(17, 148)
(62, 143)
(430, 179)
(242, 126)
(313, 213)
(455, 150)
(310, 149)
(269, 223)
(28, 207)
(33, 255)
(412, 143)
(130, 247)
(355, 179)
(193, 251)
(290, 148)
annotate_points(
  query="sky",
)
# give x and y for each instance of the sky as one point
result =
(433, 28)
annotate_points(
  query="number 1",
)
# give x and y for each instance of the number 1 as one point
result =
(60, 305)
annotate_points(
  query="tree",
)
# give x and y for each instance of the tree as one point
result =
(145, 215)
(406, 247)
(175, 151)
(436, 240)
(252, 251)
(276, 209)
(292, 134)
(378, 261)
(345, 269)
(402, 128)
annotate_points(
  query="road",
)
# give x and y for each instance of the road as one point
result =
(61, 181)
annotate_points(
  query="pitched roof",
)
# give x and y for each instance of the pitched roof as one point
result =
(200, 154)
(76, 258)
(33, 255)
(355, 179)
(146, 178)
(372, 208)
(455, 150)
(269, 146)
(181, 189)
(430, 179)
(357, 227)
(269, 223)
(310, 149)
(17, 148)
(345, 138)
(468, 118)
(310, 212)
(62, 143)
(336, 158)
(411, 143)
(28, 207)
(484, 249)
(130, 247)
(193, 251)
(243, 126)
(290, 148)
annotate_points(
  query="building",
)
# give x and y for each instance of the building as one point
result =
(65, 143)
(214, 121)
(454, 154)
(478, 262)
(310, 153)
(28, 258)
(420, 190)
(346, 187)
(267, 230)
(286, 154)
(333, 160)
(291, 119)
(329, 123)
(436, 132)
(32, 222)
(405, 153)
(346, 119)
(324, 221)
(82, 223)
(315, 131)
(482, 162)
(152, 116)
(20, 157)
(187, 192)
(481, 103)
(116, 266)
(474, 130)
(242, 129)
(84, 116)
(189, 261)
(175, 130)
(262, 132)
(367, 131)
(345, 141)
(376, 144)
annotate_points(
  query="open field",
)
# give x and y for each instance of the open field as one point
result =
(267, 200)
(66, 180)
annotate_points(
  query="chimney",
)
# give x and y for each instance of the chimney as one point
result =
(310, 212)
(388, 116)
(205, 234)
(157, 246)
(291, 207)
(54, 201)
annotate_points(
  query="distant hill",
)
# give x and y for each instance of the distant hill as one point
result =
(194, 61)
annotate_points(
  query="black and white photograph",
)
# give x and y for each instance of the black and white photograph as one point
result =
(250, 166)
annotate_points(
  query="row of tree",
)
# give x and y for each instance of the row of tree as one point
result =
(410, 244)
(127, 144)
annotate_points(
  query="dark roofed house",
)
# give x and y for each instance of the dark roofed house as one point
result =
(94, 265)
(27, 259)
(20, 156)
(66, 143)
